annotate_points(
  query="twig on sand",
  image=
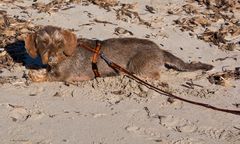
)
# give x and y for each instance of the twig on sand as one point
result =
(86, 24)
(104, 22)
(191, 85)
(228, 57)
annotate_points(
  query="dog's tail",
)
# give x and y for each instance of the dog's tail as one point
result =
(176, 63)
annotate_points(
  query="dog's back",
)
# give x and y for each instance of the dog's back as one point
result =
(128, 48)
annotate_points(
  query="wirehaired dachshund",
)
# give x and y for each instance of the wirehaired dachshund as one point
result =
(69, 61)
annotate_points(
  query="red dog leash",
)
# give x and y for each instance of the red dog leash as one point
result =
(117, 67)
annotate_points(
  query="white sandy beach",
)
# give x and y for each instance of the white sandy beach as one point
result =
(118, 110)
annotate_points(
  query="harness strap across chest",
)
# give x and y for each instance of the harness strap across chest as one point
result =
(94, 59)
(96, 53)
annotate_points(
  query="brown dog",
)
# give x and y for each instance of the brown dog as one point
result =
(71, 62)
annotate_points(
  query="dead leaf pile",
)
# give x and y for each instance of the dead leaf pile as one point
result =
(223, 78)
(214, 21)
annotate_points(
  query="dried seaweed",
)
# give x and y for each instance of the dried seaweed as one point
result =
(215, 19)
(7, 79)
(124, 13)
(54, 6)
(6, 61)
(190, 9)
(219, 5)
(223, 37)
(12, 30)
(216, 37)
(190, 24)
(150, 9)
(106, 4)
(127, 14)
(122, 31)
(10, 1)
(103, 22)
(174, 11)
(222, 78)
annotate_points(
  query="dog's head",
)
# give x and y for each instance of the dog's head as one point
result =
(52, 44)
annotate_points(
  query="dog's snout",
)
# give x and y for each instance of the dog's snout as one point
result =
(52, 59)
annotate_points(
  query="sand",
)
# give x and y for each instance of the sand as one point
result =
(118, 110)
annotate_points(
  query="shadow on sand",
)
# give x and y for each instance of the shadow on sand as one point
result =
(19, 55)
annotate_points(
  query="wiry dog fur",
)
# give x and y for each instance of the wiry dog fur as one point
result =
(52, 44)
(73, 63)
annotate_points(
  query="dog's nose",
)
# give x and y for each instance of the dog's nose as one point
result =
(51, 59)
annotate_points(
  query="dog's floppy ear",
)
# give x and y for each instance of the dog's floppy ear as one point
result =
(44, 57)
(30, 45)
(70, 42)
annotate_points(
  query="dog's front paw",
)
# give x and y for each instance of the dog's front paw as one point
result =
(38, 75)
